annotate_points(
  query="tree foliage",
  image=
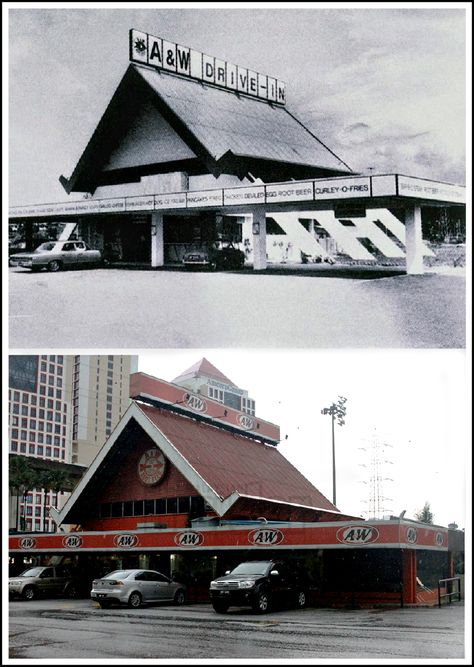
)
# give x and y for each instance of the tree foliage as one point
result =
(425, 515)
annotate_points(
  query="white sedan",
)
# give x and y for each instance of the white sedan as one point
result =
(56, 255)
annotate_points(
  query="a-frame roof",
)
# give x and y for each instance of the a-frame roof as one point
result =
(203, 367)
(224, 468)
(225, 133)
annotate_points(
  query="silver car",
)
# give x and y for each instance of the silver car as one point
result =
(56, 255)
(46, 581)
(132, 587)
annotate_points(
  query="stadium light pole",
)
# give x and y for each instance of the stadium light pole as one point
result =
(337, 411)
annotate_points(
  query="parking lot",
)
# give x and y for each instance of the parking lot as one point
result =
(79, 629)
(120, 308)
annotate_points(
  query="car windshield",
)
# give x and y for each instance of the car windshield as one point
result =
(118, 574)
(45, 247)
(32, 572)
(260, 567)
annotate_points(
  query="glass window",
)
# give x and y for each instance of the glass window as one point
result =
(172, 506)
(105, 510)
(117, 509)
(149, 507)
(40, 450)
(197, 505)
(183, 504)
(128, 508)
(40, 438)
(138, 508)
(160, 506)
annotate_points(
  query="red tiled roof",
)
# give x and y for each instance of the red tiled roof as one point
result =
(231, 463)
(203, 367)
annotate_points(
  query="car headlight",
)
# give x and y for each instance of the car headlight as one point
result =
(214, 584)
(14, 583)
(246, 584)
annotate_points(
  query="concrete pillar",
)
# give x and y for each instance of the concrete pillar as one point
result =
(157, 245)
(409, 575)
(259, 234)
(413, 240)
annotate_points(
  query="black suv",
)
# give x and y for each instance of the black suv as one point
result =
(259, 583)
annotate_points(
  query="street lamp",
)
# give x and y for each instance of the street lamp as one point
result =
(337, 411)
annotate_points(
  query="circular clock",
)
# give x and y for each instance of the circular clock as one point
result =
(151, 467)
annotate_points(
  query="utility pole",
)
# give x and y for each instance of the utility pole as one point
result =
(337, 411)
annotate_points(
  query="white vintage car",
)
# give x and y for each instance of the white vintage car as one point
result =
(57, 255)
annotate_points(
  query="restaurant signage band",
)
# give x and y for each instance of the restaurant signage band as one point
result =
(330, 189)
(330, 535)
(171, 57)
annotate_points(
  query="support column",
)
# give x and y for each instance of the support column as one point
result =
(259, 234)
(413, 240)
(409, 575)
(157, 244)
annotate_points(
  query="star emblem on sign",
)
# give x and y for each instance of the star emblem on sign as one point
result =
(140, 45)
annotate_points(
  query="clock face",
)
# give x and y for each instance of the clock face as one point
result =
(151, 467)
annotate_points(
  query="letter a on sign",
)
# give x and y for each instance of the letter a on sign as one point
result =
(155, 51)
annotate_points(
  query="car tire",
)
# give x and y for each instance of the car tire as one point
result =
(301, 600)
(29, 593)
(135, 600)
(261, 603)
(54, 266)
(220, 607)
(105, 604)
(180, 597)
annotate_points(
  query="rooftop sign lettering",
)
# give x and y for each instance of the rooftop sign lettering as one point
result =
(146, 49)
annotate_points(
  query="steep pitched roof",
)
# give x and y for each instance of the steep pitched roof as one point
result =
(203, 367)
(226, 132)
(222, 467)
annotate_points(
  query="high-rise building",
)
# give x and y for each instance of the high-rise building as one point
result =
(100, 396)
(205, 379)
(62, 409)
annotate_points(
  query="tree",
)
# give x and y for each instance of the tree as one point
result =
(21, 479)
(56, 481)
(425, 515)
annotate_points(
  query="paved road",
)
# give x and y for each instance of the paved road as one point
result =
(118, 308)
(78, 629)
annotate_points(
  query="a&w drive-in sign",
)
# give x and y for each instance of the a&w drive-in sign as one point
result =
(149, 50)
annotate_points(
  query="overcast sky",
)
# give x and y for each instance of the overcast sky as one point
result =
(415, 401)
(384, 88)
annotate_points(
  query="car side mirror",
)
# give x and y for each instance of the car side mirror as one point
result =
(227, 571)
(274, 573)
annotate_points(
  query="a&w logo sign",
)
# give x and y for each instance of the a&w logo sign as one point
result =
(196, 403)
(27, 543)
(412, 535)
(189, 539)
(125, 541)
(265, 537)
(357, 534)
(246, 422)
(72, 541)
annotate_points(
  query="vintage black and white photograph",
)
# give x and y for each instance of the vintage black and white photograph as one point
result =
(226, 177)
(237, 320)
